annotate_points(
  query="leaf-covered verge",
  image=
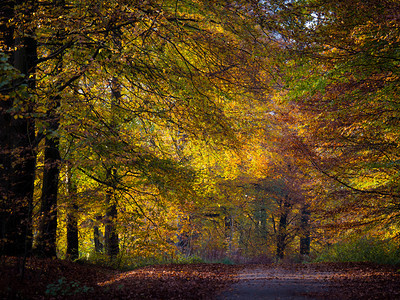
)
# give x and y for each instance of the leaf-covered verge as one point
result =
(61, 279)
(361, 280)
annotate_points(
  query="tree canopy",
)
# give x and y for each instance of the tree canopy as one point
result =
(153, 129)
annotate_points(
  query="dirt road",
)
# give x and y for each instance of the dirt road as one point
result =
(279, 282)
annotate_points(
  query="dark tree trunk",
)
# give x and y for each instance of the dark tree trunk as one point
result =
(305, 239)
(184, 238)
(72, 217)
(47, 240)
(72, 234)
(110, 233)
(17, 154)
(262, 221)
(111, 240)
(282, 228)
(228, 220)
(98, 245)
(281, 241)
(6, 135)
(184, 244)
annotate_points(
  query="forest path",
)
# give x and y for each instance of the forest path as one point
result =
(280, 282)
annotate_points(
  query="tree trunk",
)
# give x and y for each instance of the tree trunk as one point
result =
(18, 156)
(98, 245)
(72, 218)
(111, 240)
(282, 228)
(262, 222)
(305, 239)
(72, 234)
(110, 233)
(228, 220)
(5, 135)
(47, 240)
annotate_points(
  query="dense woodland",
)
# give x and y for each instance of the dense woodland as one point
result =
(137, 132)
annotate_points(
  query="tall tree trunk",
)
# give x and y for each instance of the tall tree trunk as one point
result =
(97, 237)
(17, 155)
(6, 135)
(72, 217)
(282, 228)
(110, 233)
(262, 226)
(47, 240)
(228, 221)
(72, 233)
(305, 239)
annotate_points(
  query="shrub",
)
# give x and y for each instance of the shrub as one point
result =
(369, 249)
(193, 259)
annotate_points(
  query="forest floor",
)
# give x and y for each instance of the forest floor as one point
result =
(56, 279)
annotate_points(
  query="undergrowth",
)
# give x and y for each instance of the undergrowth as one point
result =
(126, 263)
(362, 249)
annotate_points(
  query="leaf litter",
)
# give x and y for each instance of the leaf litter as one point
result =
(188, 281)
